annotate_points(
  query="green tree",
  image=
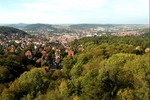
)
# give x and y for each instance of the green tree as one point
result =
(29, 83)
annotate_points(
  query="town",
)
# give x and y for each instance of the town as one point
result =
(47, 50)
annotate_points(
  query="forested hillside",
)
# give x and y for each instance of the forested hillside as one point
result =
(131, 40)
(35, 27)
(103, 68)
(19, 25)
(43, 28)
(10, 30)
(146, 32)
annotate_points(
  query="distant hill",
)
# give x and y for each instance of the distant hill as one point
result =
(88, 26)
(35, 27)
(10, 30)
(20, 25)
(42, 28)
(38, 28)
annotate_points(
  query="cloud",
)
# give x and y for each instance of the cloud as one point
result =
(66, 11)
(78, 11)
(65, 5)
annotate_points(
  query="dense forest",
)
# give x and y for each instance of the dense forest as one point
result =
(146, 32)
(130, 40)
(103, 68)
(10, 30)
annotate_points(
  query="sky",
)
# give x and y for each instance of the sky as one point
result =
(74, 11)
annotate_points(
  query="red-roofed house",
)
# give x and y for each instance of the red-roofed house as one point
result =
(147, 50)
(28, 54)
(70, 52)
(138, 47)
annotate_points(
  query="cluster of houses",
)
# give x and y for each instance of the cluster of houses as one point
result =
(140, 48)
(127, 33)
(45, 59)
(15, 44)
(35, 49)
(57, 55)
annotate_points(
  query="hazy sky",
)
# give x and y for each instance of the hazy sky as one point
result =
(75, 11)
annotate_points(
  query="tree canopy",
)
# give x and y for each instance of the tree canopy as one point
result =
(10, 30)
(107, 68)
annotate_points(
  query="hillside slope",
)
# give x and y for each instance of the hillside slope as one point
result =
(88, 26)
(42, 29)
(10, 30)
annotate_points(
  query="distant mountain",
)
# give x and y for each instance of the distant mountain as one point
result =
(42, 29)
(20, 25)
(38, 28)
(89, 26)
(10, 30)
